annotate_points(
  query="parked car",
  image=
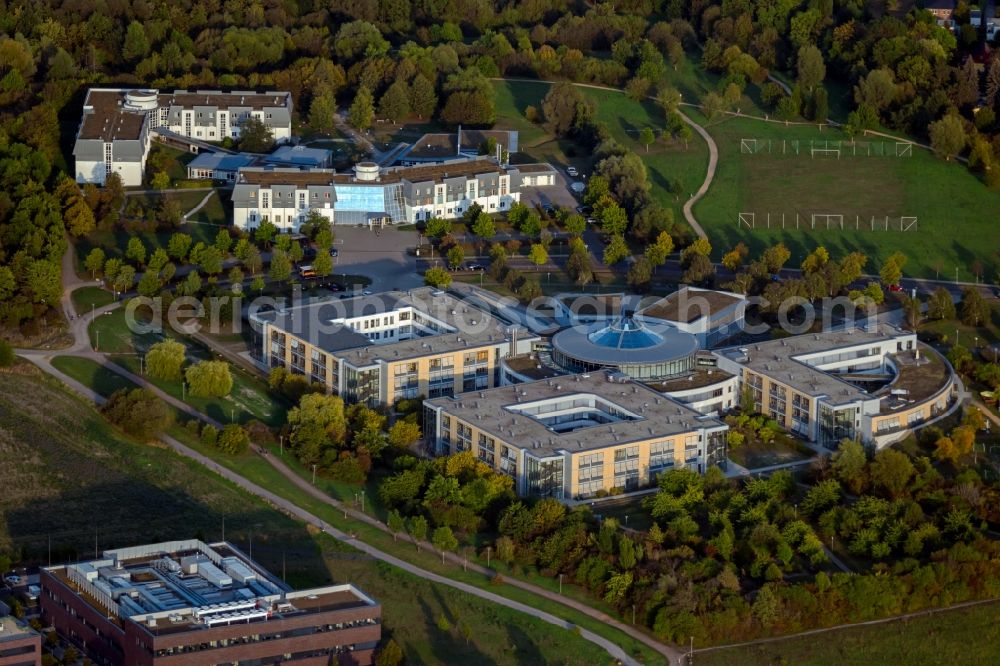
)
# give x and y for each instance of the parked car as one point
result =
(474, 267)
(334, 252)
(33, 592)
(585, 210)
(572, 171)
(12, 579)
(895, 288)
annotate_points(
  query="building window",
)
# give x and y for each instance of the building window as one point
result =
(627, 468)
(590, 474)
(661, 458)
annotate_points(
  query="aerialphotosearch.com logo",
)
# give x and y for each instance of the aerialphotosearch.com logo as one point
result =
(317, 316)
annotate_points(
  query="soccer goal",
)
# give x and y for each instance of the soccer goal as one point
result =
(828, 219)
(825, 148)
(745, 220)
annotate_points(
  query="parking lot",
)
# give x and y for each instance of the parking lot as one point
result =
(381, 256)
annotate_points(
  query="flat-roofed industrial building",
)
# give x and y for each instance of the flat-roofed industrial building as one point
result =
(198, 604)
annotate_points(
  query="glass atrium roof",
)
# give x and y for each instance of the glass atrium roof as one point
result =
(625, 333)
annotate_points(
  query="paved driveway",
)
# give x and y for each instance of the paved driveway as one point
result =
(383, 257)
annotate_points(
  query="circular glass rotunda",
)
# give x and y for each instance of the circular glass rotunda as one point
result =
(639, 349)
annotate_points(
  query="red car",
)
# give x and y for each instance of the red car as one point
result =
(895, 287)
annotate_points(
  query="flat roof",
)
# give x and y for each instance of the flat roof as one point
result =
(921, 377)
(532, 367)
(268, 176)
(781, 360)
(658, 416)
(690, 304)
(536, 167)
(701, 377)
(105, 118)
(221, 161)
(218, 98)
(12, 629)
(179, 586)
(298, 155)
(321, 325)
(443, 144)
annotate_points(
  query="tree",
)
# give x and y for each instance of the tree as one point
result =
(192, 284)
(640, 273)
(877, 90)
(967, 89)
(395, 102)
(646, 137)
(255, 136)
(660, 249)
(323, 264)
(614, 220)
(575, 224)
(616, 250)
(975, 309)
(79, 218)
(437, 277)
(322, 112)
(257, 284)
(947, 136)
(138, 412)
(455, 256)
(561, 107)
(418, 529)
(699, 269)
(164, 360)
(538, 255)
(395, 522)
(775, 257)
(7, 356)
(403, 434)
(812, 69)
(209, 379)
(281, 266)
(135, 250)
(423, 99)
(891, 470)
(136, 44)
(444, 540)
(223, 241)
(178, 246)
(233, 440)
(484, 227)
(359, 39)
(362, 110)
(940, 305)
(437, 227)
(892, 270)
(265, 232)
(125, 279)
(210, 260)
(390, 654)
(993, 81)
(94, 261)
(849, 465)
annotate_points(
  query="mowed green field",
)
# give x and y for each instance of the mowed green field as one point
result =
(955, 212)
(68, 477)
(625, 118)
(960, 636)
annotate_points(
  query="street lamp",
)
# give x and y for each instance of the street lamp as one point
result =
(314, 474)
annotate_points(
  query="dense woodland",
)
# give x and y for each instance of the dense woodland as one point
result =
(399, 59)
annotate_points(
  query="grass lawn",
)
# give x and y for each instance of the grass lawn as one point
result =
(85, 297)
(628, 511)
(92, 374)
(73, 477)
(248, 400)
(216, 211)
(961, 636)
(784, 449)
(171, 160)
(953, 230)
(987, 334)
(114, 242)
(625, 118)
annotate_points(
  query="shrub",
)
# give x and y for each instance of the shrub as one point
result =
(233, 439)
(6, 354)
(138, 412)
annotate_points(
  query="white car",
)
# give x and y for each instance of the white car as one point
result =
(572, 171)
